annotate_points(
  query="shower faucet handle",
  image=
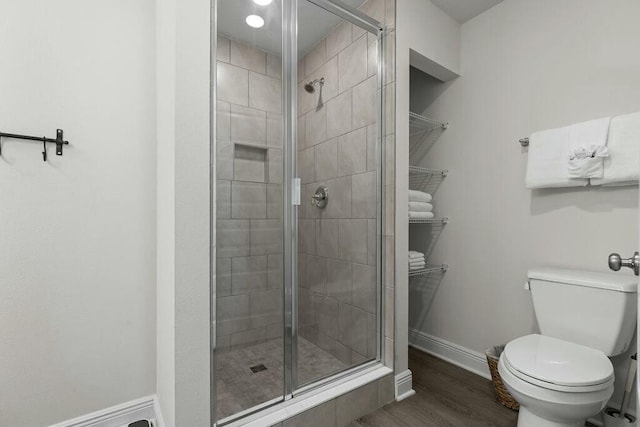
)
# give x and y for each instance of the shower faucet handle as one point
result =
(320, 198)
(616, 262)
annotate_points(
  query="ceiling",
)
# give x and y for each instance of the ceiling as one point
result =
(464, 10)
(314, 23)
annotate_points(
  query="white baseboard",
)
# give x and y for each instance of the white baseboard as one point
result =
(453, 353)
(116, 416)
(404, 385)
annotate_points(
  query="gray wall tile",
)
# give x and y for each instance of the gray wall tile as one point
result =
(266, 236)
(248, 57)
(265, 307)
(338, 39)
(326, 160)
(248, 125)
(322, 415)
(339, 280)
(316, 127)
(364, 103)
(274, 273)
(223, 121)
(274, 130)
(338, 115)
(265, 93)
(364, 287)
(306, 165)
(327, 238)
(222, 49)
(223, 199)
(274, 201)
(233, 84)
(223, 277)
(364, 195)
(232, 314)
(307, 236)
(356, 404)
(327, 315)
(224, 160)
(340, 198)
(248, 274)
(274, 66)
(274, 165)
(248, 200)
(317, 274)
(249, 163)
(352, 152)
(232, 238)
(353, 240)
(316, 57)
(352, 64)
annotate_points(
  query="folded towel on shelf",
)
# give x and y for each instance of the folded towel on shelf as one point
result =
(547, 160)
(420, 207)
(419, 196)
(417, 263)
(415, 254)
(415, 260)
(588, 148)
(622, 167)
(417, 267)
(420, 215)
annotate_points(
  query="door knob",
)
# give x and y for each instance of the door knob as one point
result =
(616, 262)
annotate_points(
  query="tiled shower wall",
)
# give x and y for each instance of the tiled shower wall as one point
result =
(249, 280)
(249, 211)
(336, 149)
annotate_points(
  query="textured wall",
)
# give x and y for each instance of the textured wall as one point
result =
(249, 198)
(77, 258)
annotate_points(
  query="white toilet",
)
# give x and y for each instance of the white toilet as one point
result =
(563, 377)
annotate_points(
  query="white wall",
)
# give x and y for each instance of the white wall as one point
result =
(420, 27)
(525, 67)
(77, 241)
(184, 197)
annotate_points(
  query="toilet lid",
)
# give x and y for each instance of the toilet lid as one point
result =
(558, 362)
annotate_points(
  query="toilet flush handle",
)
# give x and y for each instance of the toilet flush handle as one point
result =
(616, 262)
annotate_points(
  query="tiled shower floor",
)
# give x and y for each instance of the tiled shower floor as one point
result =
(240, 389)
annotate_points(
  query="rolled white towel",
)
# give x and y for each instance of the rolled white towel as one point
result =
(415, 254)
(420, 215)
(420, 207)
(419, 196)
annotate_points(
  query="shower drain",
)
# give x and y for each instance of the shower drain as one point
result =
(258, 368)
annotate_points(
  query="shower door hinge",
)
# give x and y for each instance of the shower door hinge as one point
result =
(295, 197)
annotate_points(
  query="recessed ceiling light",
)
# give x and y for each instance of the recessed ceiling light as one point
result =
(255, 21)
(262, 2)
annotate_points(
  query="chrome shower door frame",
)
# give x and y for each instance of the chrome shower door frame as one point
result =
(291, 196)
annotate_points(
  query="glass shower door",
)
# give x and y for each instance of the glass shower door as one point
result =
(337, 159)
(249, 234)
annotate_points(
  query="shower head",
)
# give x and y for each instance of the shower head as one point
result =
(311, 86)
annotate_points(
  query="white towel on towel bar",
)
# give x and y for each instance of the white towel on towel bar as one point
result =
(622, 167)
(588, 148)
(547, 161)
(420, 207)
(419, 196)
(420, 215)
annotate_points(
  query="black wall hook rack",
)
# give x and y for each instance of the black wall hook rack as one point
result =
(59, 141)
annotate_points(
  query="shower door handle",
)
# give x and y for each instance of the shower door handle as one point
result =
(616, 262)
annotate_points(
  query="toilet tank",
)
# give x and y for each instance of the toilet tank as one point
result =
(597, 310)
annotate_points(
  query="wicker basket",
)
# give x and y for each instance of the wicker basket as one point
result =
(502, 395)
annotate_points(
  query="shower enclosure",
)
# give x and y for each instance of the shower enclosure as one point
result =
(298, 199)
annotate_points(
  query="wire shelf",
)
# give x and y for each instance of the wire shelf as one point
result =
(423, 132)
(428, 221)
(424, 179)
(428, 270)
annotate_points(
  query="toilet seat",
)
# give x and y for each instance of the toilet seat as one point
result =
(558, 365)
